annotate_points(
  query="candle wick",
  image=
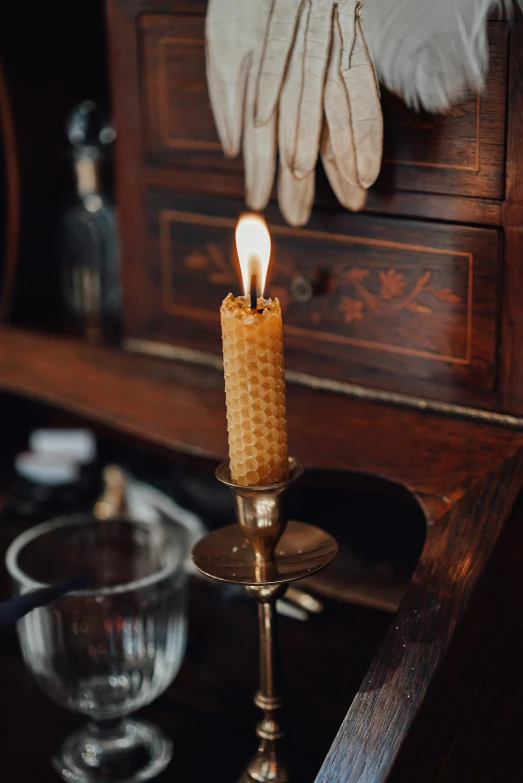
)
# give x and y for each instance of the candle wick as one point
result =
(254, 298)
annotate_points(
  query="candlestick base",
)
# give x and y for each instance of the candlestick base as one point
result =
(264, 553)
(266, 766)
(227, 556)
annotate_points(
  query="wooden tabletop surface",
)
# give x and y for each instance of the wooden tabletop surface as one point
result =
(465, 474)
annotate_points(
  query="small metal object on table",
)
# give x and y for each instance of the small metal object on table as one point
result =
(264, 553)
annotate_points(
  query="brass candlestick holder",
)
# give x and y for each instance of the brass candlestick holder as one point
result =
(264, 553)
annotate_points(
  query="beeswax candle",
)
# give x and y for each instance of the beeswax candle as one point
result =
(253, 364)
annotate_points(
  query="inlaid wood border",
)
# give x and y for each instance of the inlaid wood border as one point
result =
(168, 216)
(190, 144)
(454, 167)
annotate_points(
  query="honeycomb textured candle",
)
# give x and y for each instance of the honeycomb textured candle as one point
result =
(255, 391)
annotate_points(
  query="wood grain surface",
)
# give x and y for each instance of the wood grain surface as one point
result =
(405, 305)
(461, 152)
(511, 371)
(449, 181)
(182, 407)
(448, 169)
(461, 472)
(443, 584)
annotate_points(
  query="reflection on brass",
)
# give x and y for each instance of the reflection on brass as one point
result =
(261, 511)
(263, 552)
(226, 555)
(112, 501)
(304, 600)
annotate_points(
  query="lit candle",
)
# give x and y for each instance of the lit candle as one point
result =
(253, 363)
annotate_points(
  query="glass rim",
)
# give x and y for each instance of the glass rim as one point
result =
(26, 581)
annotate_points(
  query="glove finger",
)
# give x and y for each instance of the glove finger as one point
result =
(351, 196)
(259, 154)
(315, 61)
(234, 32)
(357, 71)
(279, 37)
(259, 143)
(289, 105)
(226, 102)
(295, 196)
(338, 109)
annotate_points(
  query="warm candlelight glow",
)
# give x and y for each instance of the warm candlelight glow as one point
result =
(253, 243)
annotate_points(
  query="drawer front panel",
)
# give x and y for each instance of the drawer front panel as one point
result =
(401, 305)
(461, 153)
(178, 123)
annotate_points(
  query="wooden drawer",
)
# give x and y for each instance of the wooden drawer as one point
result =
(179, 127)
(404, 305)
(461, 153)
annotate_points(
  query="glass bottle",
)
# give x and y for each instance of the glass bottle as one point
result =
(90, 257)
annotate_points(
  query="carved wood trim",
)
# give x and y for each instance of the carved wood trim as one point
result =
(357, 391)
(454, 559)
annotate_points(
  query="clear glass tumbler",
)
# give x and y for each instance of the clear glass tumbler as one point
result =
(110, 649)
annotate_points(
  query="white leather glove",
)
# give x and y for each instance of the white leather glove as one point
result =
(234, 33)
(295, 196)
(296, 53)
(351, 196)
(352, 101)
(273, 56)
(341, 163)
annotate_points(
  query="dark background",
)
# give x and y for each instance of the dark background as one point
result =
(53, 55)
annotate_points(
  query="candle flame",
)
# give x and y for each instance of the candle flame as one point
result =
(253, 243)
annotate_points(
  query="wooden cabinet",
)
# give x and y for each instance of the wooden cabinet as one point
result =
(461, 153)
(421, 294)
(408, 294)
(178, 123)
(410, 304)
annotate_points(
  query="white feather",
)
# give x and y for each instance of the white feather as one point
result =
(429, 51)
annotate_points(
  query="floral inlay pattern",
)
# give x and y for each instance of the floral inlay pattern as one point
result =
(392, 284)
(382, 292)
(392, 297)
(212, 259)
(352, 309)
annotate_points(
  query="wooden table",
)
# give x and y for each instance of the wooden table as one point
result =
(460, 619)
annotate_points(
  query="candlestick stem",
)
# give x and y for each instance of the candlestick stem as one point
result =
(268, 765)
(264, 552)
